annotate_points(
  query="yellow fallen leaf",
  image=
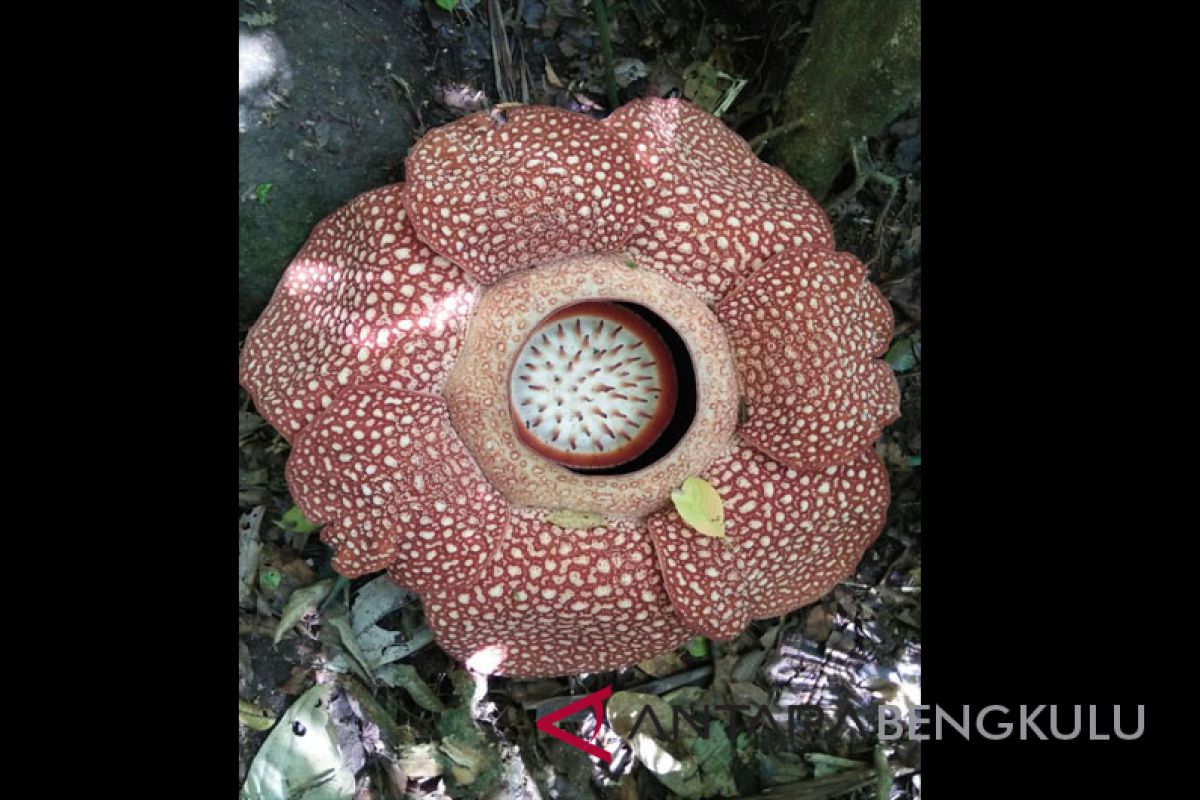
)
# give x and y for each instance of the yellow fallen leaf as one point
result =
(255, 717)
(700, 506)
(576, 520)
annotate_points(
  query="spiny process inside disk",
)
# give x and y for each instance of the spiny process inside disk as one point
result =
(593, 386)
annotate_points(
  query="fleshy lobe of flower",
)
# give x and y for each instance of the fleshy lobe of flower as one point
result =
(557, 314)
(364, 301)
(397, 488)
(497, 196)
(791, 535)
(807, 332)
(712, 213)
(559, 601)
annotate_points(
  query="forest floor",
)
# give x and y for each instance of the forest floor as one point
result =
(332, 95)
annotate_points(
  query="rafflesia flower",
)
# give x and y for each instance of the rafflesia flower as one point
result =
(494, 376)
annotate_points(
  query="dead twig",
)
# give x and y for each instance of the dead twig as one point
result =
(756, 144)
(610, 76)
(501, 54)
(412, 103)
(828, 786)
(526, 79)
(659, 686)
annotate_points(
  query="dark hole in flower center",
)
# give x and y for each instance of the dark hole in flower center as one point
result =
(603, 388)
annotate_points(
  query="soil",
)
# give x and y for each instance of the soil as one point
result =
(347, 87)
(321, 119)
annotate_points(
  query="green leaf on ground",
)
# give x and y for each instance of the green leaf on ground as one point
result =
(377, 645)
(340, 622)
(689, 766)
(780, 768)
(714, 757)
(270, 577)
(375, 601)
(303, 601)
(420, 761)
(294, 520)
(301, 757)
(663, 664)
(883, 774)
(370, 645)
(404, 676)
(248, 423)
(261, 191)
(465, 752)
(255, 717)
(447, 5)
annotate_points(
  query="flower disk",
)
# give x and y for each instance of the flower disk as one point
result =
(593, 386)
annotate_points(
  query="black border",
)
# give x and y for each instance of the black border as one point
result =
(1048, 556)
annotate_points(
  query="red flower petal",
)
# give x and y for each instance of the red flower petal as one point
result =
(804, 330)
(364, 301)
(712, 211)
(385, 468)
(703, 575)
(831, 516)
(497, 196)
(790, 536)
(446, 542)
(367, 554)
(558, 601)
(877, 317)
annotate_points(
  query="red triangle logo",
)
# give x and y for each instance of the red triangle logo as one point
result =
(595, 701)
